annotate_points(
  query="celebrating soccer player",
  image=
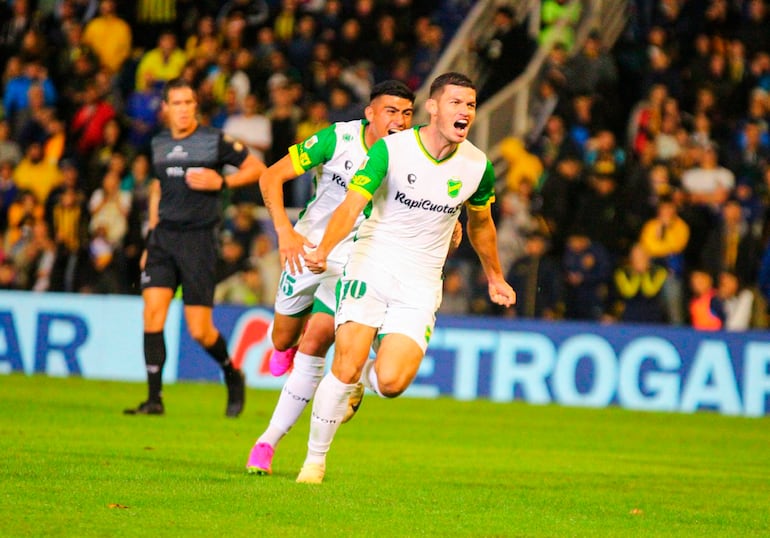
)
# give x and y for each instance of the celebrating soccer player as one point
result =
(305, 299)
(417, 182)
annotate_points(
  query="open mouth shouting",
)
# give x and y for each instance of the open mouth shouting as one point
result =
(461, 126)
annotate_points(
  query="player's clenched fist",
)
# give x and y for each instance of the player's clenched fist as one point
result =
(315, 261)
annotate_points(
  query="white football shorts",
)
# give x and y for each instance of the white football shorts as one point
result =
(296, 293)
(390, 304)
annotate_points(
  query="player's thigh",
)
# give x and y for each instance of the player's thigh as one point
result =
(362, 297)
(412, 314)
(296, 300)
(287, 330)
(296, 293)
(156, 303)
(326, 293)
(398, 359)
(319, 331)
(351, 349)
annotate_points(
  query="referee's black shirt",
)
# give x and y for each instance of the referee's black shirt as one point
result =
(182, 208)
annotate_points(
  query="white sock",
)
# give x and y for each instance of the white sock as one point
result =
(369, 377)
(329, 407)
(295, 395)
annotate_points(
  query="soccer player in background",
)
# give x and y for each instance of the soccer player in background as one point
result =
(306, 300)
(417, 182)
(182, 244)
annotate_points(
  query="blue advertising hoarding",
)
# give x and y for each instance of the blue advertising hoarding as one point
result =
(654, 368)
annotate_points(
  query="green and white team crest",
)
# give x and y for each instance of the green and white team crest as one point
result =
(453, 186)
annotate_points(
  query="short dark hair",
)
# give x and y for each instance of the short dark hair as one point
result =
(450, 79)
(174, 84)
(395, 88)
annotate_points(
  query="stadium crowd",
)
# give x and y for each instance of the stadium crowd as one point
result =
(640, 193)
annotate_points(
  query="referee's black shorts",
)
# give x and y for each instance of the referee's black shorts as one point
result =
(186, 257)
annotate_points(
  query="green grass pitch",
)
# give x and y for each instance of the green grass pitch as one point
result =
(73, 465)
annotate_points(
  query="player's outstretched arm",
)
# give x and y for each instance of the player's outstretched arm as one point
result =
(291, 245)
(340, 225)
(483, 237)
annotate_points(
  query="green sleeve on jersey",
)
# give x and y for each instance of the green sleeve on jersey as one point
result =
(316, 150)
(485, 194)
(373, 171)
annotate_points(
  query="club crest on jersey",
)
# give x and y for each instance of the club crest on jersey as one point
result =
(177, 152)
(347, 137)
(310, 142)
(453, 186)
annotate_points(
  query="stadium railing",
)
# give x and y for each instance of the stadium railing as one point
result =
(506, 113)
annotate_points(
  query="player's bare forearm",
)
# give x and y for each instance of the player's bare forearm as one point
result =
(291, 245)
(483, 237)
(271, 186)
(342, 221)
(340, 225)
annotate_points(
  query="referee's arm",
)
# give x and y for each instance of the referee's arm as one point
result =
(249, 172)
(208, 179)
(153, 203)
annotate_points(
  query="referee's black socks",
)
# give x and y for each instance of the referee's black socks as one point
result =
(218, 350)
(154, 359)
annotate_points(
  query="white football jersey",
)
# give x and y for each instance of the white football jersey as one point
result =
(415, 202)
(335, 154)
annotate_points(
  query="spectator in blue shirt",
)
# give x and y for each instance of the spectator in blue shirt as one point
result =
(15, 98)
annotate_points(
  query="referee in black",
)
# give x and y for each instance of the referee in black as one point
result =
(182, 245)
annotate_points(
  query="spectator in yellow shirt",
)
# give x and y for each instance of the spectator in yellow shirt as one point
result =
(109, 37)
(665, 238)
(36, 174)
(521, 164)
(162, 63)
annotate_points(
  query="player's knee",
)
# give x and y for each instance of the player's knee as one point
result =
(283, 343)
(391, 389)
(154, 320)
(200, 334)
(346, 371)
(315, 344)
(391, 384)
(283, 339)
